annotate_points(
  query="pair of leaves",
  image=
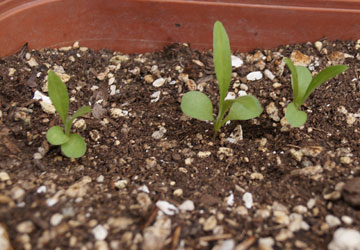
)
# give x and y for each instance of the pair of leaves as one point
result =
(197, 105)
(72, 145)
(303, 84)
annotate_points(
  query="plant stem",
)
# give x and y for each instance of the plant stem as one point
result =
(219, 119)
(67, 125)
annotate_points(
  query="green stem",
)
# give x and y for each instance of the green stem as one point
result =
(218, 123)
(67, 127)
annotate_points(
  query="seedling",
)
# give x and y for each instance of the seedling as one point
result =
(303, 85)
(197, 105)
(72, 145)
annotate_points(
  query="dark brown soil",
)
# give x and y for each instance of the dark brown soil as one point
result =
(48, 201)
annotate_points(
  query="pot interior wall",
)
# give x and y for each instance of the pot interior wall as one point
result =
(135, 26)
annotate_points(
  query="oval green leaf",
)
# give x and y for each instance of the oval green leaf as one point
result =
(56, 136)
(296, 118)
(75, 147)
(197, 105)
(244, 108)
(80, 112)
(222, 58)
(324, 76)
(304, 77)
(58, 95)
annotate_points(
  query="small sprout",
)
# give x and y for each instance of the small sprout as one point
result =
(303, 85)
(197, 105)
(72, 145)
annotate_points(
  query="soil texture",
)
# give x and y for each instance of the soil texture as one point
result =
(153, 178)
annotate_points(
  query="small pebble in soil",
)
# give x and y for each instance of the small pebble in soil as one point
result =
(332, 220)
(4, 176)
(11, 71)
(256, 176)
(266, 243)
(230, 200)
(157, 135)
(210, 223)
(155, 236)
(300, 209)
(100, 178)
(236, 61)
(144, 201)
(155, 96)
(236, 136)
(300, 59)
(254, 76)
(204, 154)
(167, 208)
(94, 135)
(117, 113)
(56, 219)
(5, 243)
(150, 162)
(347, 220)
(269, 74)
(178, 192)
(17, 193)
(248, 200)
(281, 217)
(187, 205)
(120, 184)
(80, 124)
(159, 82)
(144, 188)
(311, 203)
(99, 232)
(149, 79)
(41, 190)
(230, 96)
(318, 45)
(272, 111)
(345, 239)
(284, 235)
(263, 212)
(120, 223)
(25, 227)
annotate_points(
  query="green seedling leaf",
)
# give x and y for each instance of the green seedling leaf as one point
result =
(296, 118)
(324, 76)
(197, 105)
(222, 59)
(304, 78)
(56, 136)
(294, 80)
(58, 95)
(72, 145)
(80, 112)
(75, 147)
(244, 108)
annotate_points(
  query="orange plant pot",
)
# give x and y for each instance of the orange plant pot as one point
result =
(136, 26)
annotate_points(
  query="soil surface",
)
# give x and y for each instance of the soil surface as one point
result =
(153, 178)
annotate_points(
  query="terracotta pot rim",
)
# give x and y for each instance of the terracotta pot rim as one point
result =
(136, 26)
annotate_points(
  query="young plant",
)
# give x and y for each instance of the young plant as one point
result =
(197, 105)
(72, 145)
(303, 85)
